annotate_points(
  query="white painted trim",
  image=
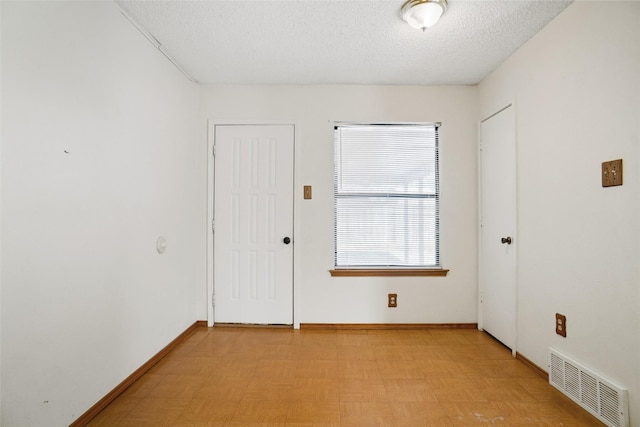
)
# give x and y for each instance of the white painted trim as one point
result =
(151, 38)
(297, 189)
(517, 271)
(479, 257)
(0, 212)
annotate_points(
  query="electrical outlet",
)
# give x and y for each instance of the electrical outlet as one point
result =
(561, 325)
(393, 300)
(612, 173)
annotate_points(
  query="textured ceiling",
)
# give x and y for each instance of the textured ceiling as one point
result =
(338, 41)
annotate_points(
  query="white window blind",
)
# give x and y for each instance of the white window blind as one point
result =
(386, 196)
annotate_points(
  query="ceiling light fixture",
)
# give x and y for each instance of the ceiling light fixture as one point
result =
(423, 14)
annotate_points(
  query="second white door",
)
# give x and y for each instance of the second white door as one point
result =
(253, 216)
(498, 227)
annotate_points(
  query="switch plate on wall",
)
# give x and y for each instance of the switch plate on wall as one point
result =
(612, 173)
(307, 191)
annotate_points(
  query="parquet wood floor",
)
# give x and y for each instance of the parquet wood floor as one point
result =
(283, 377)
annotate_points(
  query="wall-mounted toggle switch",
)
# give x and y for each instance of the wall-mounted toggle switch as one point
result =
(307, 191)
(612, 173)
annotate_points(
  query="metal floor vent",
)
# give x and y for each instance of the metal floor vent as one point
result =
(602, 398)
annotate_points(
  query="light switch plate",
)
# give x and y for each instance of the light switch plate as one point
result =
(307, 191)
(612, 173)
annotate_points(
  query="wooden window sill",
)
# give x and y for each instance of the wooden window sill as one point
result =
(388, 272)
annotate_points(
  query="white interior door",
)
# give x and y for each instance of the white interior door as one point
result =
(253, 217)
(498, 227)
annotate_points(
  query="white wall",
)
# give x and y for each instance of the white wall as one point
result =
(321, 298)
(577, 90)
(98, 160)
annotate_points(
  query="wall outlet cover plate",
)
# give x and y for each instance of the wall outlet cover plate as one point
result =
(393, 300)
(561, 325)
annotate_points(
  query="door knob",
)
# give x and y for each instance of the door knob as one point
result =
(506, 240)
(286, 240)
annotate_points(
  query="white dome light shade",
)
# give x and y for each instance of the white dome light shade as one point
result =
(423, 14)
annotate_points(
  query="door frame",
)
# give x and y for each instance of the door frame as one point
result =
(211, 127)
(481, 285)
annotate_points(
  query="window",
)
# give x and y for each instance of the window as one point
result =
(386, 196)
